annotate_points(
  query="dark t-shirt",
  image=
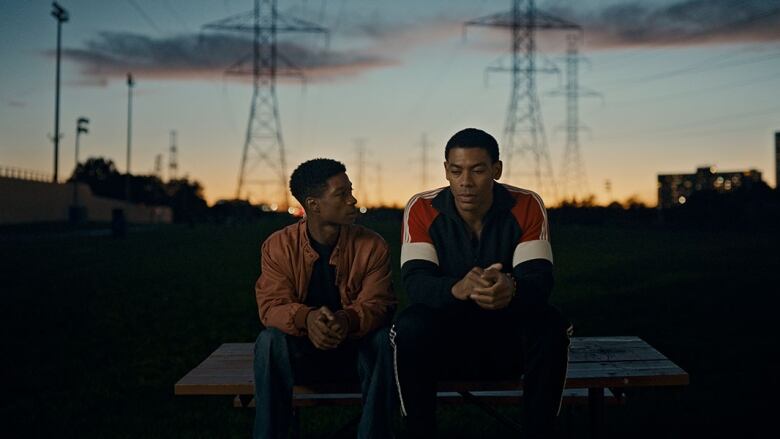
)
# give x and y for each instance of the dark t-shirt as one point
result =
(322, 285)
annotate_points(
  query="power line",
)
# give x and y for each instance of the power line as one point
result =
(684, 94)
(175, 14)
(704, 122)
(696, 68)
(144, 15)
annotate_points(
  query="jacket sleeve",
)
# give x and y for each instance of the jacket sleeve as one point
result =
(422, 278)
(532, 261)
(425, 284)
(277, 301)
(376, 301)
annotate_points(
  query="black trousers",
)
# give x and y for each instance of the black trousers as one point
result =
(467, 342)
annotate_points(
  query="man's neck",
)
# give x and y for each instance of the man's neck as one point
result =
(324, 233)
(475, 218)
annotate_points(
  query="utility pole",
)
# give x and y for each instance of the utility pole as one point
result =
(424, 161)
(378, 170)
(263, 144)
(62, 16)
(572, 179)
(173, 160)
(524, 129)
(130, 85)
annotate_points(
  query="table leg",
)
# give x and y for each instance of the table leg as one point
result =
(596, 410)
(296, 423)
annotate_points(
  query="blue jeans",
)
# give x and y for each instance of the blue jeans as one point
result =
(282, 360)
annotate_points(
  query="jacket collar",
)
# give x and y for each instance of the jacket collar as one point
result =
(303, 235)
(503, 201)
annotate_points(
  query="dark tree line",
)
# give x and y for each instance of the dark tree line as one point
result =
(183, 196)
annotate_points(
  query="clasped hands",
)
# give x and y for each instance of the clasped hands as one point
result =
(326, 329)
(487, 287)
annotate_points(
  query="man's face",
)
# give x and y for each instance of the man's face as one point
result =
(471, 174)
(337, 205)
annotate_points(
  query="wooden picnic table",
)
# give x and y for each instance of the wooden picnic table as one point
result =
(600, 368)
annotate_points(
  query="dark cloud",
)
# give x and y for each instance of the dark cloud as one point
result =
(113, 54)
(685, 22)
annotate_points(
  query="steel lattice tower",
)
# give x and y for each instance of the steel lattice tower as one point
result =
(173, 160)
(573, 182)
(264, 145)
(362, 189)
(524, 129)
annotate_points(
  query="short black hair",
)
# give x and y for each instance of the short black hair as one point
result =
(310, 178)
(473, 138)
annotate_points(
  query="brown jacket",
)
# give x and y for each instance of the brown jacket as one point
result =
(362, 265)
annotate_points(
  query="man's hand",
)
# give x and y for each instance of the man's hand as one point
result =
(337, 323)
(466, 287)
(319, 331)
(498, 294)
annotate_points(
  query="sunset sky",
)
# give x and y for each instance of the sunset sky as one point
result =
(683, 83)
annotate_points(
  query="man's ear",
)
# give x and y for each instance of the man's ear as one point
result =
(446, 173)
(498, 167)
(312, 205)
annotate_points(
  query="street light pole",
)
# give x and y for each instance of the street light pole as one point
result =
(62, 16)
(81, 127)
(130, 84)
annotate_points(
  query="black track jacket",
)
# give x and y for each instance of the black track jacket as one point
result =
(438, 248)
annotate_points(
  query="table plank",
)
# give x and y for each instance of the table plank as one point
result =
(593, 362)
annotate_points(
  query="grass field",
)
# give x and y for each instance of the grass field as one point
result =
(95, 331)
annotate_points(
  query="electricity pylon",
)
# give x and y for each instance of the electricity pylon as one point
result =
(572, 180)
(524, 129)
(263, 144)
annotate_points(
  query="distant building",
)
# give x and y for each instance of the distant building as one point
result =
(676, 189)
(30, 197)
(777, 159)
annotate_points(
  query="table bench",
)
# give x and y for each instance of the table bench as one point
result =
(600, 369)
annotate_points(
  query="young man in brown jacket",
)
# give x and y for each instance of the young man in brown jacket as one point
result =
(325, 298)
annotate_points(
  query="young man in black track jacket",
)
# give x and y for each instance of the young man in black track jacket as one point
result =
(477, 265)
